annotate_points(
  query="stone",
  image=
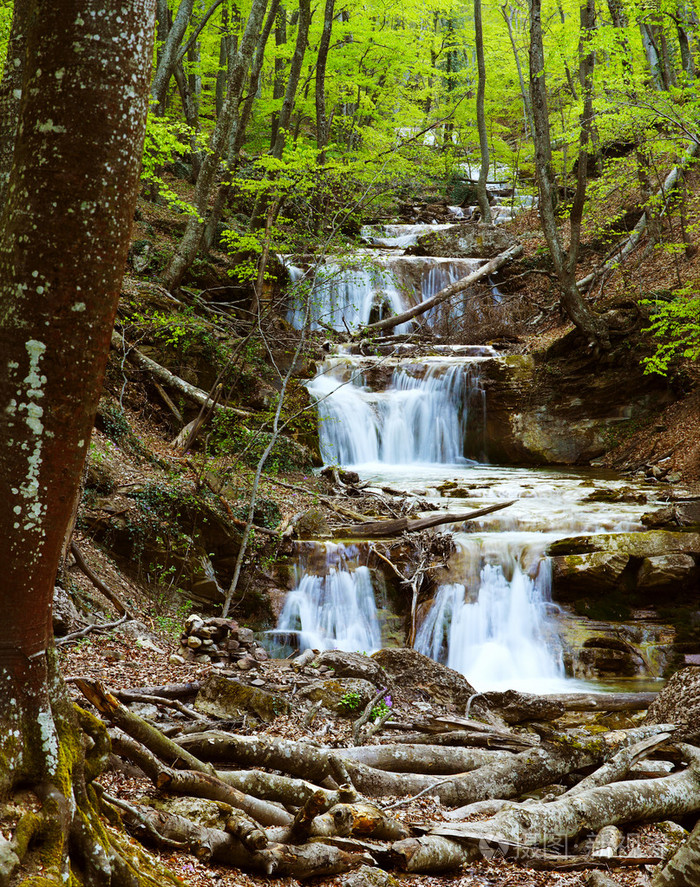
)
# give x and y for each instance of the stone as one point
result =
(194, 643)
(470, 240)
(260, 654)
(438, 682)
(354, 665)
(246, 636)
(312, 524)
(228, 698)
(366, 876)
(345, 697)
(246, 663)
(176, 659)
(588, 573)
(666, 569)
(66, 617)
(679, 703)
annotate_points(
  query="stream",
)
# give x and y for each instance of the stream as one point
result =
(414, 420)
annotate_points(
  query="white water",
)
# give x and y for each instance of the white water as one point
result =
(496, 629)
(334, 609)
(421, 417)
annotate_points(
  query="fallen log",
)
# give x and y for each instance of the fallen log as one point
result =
(619, 765)
(406, 758)
(683, 868)
(500, 742)
(511, 705)
(452, 290)
(556, 862)
(385, 528)
(191, 392)
(217, 846)
(640, 800)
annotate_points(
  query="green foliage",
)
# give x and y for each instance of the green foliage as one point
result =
(350, 701)
(166, 141)
(677, 324)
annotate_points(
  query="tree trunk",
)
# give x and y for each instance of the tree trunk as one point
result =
(11, 92)
(481, 191)
(78, 147)
(590, 325)
(294, 75)
(189, 244)
(322, 124)
(168, 54)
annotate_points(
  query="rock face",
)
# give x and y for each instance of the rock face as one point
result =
(537, 413)
(679, 703)
(470, 240)
(637, 564)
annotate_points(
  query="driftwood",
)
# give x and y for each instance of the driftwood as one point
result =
(452, 290)
(385, 528)
(515, 707)
(406, 758)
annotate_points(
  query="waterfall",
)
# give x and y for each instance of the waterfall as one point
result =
(421, 417)
(496, 629)
(334, 610)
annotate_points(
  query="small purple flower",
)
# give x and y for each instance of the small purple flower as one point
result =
(387, 701)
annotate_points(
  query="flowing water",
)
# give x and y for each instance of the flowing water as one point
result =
(417, 423)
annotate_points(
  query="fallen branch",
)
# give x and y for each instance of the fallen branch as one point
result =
(384, 528)
(452, 290)
(111, 596)
(82, 632)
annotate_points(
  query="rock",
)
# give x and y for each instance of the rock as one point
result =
(260, 654)
(608, 656)
(354, 665)
(470, 240)
(588, 573)
(210, 814)
(438, 682)
(345, 697)
(679, 703)
(515, 707)
(141, 255)
(312, 524)
(666, 569)
(227, 698)
(176, 659)
(66, 617)
(366, 876)
(193, 642)
(246, 663)
(246, 636)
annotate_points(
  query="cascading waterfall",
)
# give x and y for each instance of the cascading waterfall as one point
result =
(421, 417)
(333, 610)
(496, 630)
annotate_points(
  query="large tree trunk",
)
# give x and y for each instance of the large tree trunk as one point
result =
(322, 122)
(78, 148)
(11, 93)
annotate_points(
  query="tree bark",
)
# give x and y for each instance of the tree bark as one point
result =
(78, 147)
(11, 92)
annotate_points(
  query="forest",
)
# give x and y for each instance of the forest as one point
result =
(350, 443)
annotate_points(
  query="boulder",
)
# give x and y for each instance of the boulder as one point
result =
(227, 698)
(66, 617)
(603, 657)
(354, 665)
(516, 708)
(344, 697)
(679, 703)
(470, 240)
(588, 573)
(437, 682)
(366, 876)
(666, 569)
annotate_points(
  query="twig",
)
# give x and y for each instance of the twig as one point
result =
(367, 714)
(413, 797)
(106, 626)
(98, 583)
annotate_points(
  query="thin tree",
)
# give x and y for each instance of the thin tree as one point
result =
(591, 325)
(481, 191)
(64, 236)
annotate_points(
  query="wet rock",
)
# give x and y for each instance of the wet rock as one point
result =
(471, 240)
(588, 573)
(227, 698)
(666, 569)
(680, 514)
(610, 656)
(311, 524)
(679, 703)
